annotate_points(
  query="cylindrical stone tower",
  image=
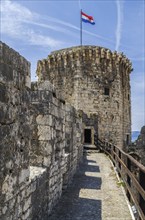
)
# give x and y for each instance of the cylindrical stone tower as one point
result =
(96, 81)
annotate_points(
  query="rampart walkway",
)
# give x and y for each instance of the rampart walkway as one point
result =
(94, 193)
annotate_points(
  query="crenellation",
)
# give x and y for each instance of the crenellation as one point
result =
(43, 123)
(34, 124)
(95, 69)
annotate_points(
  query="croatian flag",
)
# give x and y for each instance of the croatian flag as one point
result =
(87, 18)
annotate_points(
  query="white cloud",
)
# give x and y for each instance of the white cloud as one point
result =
(43, 40)
(52, 27)
(77, 28)
(12, 8)
(16, 20)
(119, 5)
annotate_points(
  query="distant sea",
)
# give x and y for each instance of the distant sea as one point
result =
(135, 135)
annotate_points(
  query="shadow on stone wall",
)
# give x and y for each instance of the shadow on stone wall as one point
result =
(40, 141)
(76, 204)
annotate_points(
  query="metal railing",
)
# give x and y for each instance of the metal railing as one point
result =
(131, 172)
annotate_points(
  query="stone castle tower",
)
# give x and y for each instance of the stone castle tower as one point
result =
(97, 82)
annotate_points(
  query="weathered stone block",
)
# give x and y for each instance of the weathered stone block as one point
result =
(44, 133)
(25, 97)
(5, 132)
(46, 147)
(8, 115)
(8, 186)
(24, 176)
(47, 161)
(6, 73)
(34, 96)
(46, 96)
(44, 120)
(41, 108)
(3, 93)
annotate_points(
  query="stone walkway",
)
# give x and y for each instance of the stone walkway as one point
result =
(94, 193)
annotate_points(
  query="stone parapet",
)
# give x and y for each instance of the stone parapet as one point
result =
(47, 123)
(75, 57)
(34, 161)
(14, 125)
(14, 116)
(55, 142)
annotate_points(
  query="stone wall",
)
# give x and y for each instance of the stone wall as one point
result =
(56, 142)
(48, 125)
(40, 142)
(14, 129)
(140, 145)
(73, 138)
(95, 80)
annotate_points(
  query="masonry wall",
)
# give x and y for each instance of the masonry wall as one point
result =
(38, 155)
(14, 129)
(140, 145)
(48, 125)
(73, 138)
(56, 142)
(126, 106)
(81, 75)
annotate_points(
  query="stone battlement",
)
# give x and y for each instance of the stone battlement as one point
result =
(40, 141)
(77, 56)
(95, 80)
(14, 68)
(82, 93)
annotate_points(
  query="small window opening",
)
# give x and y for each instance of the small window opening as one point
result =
(106, 91)
(87, 136)
(127, 139)
(54, 94)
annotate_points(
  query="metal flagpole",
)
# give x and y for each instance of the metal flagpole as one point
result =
(81, 27)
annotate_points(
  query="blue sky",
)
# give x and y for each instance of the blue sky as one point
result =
(35, 28)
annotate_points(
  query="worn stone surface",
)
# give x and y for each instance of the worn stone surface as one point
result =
(56, 143)
(139, 146)
(140, 142)
(40, 142)
(41, 128)
(94, 193)
(81, 75)
(14, 129)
